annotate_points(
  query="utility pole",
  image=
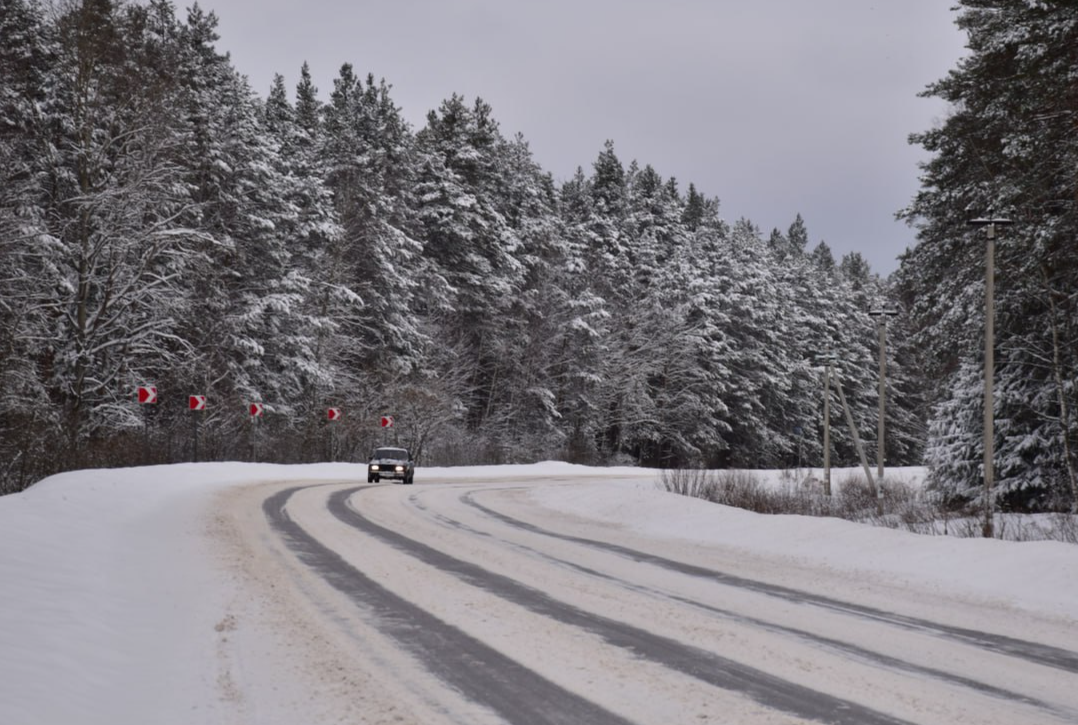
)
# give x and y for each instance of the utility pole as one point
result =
(827, 360)
(990, 224)
(881, 314)
(857, 441)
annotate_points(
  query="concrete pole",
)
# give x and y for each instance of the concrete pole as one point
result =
(989, 374)
(883, 392)
(827, 430)
(857, 441)
(989, 361)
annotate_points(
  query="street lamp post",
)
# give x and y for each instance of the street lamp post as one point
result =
(990, 225)
(881, 314)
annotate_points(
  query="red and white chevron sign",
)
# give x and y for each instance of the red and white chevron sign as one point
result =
(147, 394)
(256, 409)
(387, 421)
(334, 413)
(196, 402)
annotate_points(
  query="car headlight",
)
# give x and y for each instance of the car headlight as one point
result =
(374, 466)
(400, 468)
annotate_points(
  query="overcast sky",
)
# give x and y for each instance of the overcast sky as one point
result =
(776, 107)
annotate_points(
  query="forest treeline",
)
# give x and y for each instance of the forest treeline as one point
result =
(162, 223)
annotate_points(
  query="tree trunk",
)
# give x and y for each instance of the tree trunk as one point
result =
(1064, 409)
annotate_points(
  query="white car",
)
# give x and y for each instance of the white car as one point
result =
(390, 463)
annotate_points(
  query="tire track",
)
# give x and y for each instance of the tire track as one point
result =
(1035, 652)
(479, 672)
(767, 690)
(862, 654)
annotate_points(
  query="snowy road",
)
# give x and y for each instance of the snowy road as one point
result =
(260, 594)
(458, 602)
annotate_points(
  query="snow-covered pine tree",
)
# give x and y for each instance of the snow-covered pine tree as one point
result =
(116, 235)
(797, 236)
(309, 225)
(368, 154)
(757, 322)
(27, 422)
(525, 419)
(666, 392)
(906, 406)
(469, 242)
(1009, 147)
(823, 258)
(248, 317)
(583, 344)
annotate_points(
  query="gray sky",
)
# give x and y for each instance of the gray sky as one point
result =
(774, 106)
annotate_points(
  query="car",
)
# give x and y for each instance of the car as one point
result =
(390, 463)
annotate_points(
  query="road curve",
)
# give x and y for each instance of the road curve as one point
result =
(489, 678)
(534, 619)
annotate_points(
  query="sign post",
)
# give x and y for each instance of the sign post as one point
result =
(147, 395)
(800, 433)
(196, 404)
(332, 415)
(256, 410)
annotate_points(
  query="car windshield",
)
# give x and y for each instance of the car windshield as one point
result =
(398, 454)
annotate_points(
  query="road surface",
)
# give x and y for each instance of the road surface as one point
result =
(465, 602)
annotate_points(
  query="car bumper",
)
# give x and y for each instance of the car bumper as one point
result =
(387, 473)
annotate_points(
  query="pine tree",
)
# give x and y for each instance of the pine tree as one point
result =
(695, 209)
(370, 160)
(822, 258)
(855, 269)
(308, 108)
(27, 424)
(1009, 148)
(248, 320)
(797, 236)
(308, 225)
(469, 241)
(585, 338)
(116, 237)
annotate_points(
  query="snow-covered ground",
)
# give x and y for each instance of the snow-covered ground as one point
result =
(118, 601)
(1035, 575)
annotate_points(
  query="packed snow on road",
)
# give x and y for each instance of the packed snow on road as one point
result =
(546, 593)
